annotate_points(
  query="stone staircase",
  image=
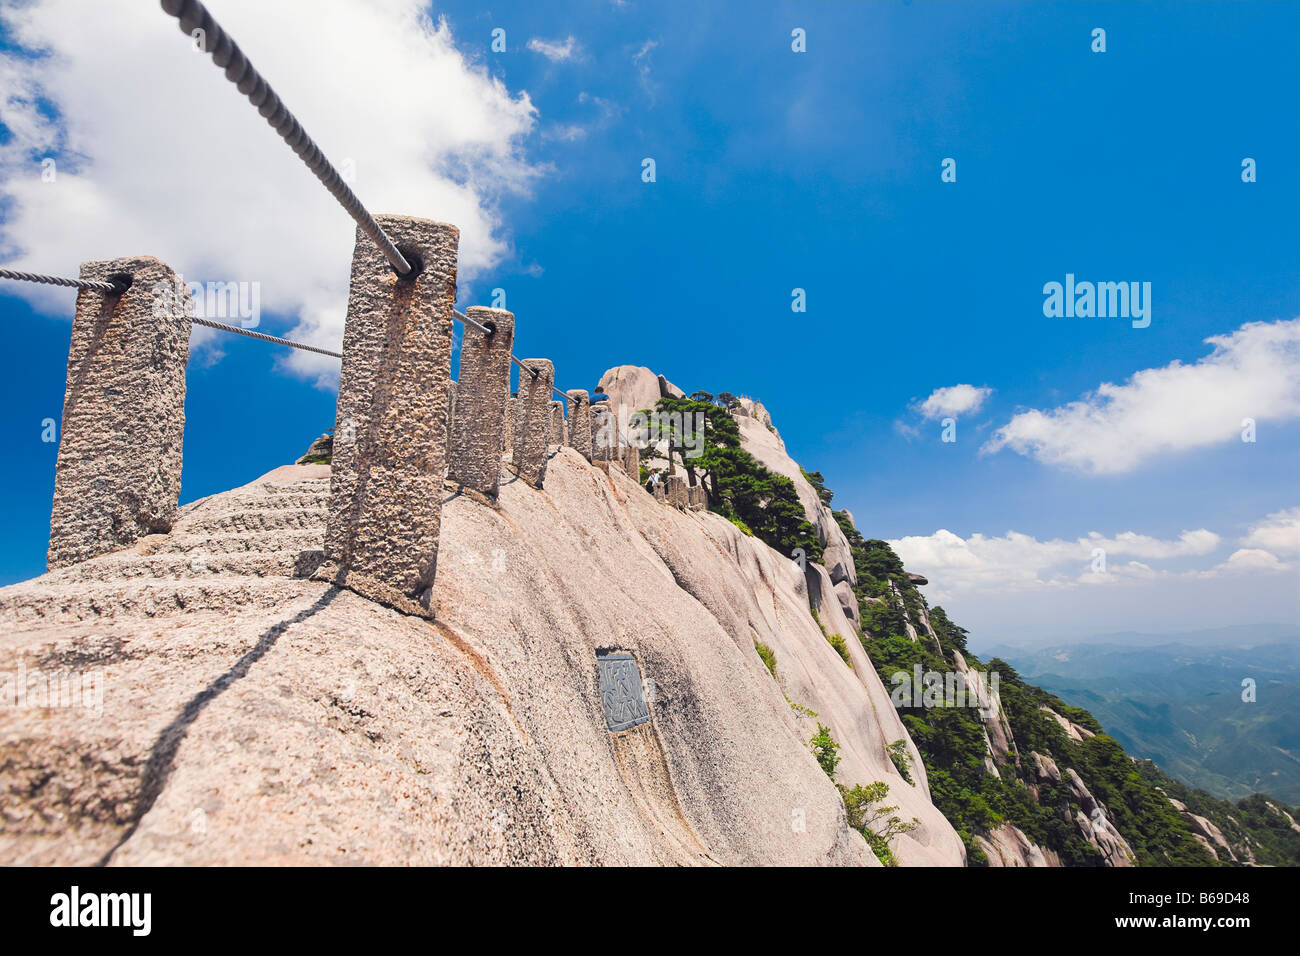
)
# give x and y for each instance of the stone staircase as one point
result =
(254, 547)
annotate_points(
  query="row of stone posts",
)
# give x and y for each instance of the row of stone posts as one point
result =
(401, 424)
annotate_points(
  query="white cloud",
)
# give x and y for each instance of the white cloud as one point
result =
(952, 401)
(1253, 373)
(1247, 560)
(1016, 561)
(642, 60)
(1189, 543)
(1279, 533)
(159, 154)
(557, 51)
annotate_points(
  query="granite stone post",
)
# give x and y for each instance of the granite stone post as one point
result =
(451, 409)
(508, 432)
(659, 493)
(390, 451)
(677, 491)
(579, 436)
(632, 461)
(558, 433)
(601, 427)
(482, 396)
(533, 416)
(118, 471)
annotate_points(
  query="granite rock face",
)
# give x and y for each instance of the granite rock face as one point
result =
(119, 464)
(390, 432)
(1007, 846)
(253, 714)
(765, 445)
(630, 388)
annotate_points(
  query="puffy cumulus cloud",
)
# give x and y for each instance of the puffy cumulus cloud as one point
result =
(157, 153)
(1016, 561)
(1252, 373)
(1279, 533)
(1246, 560)
(952, 401)
(557, 51)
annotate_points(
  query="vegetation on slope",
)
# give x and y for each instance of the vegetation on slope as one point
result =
(954, 748)
(740, 487)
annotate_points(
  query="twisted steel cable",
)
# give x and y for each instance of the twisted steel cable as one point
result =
(93, 285)
(226, 54)
(197, 320)
(114, 288)
(488, 331)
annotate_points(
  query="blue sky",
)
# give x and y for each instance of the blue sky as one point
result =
(821, 170)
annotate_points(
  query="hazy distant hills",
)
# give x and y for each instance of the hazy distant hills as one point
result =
(1177, 699)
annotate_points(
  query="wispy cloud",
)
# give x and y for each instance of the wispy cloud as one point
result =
(641, 58)
(1252, 373)
(557, 51)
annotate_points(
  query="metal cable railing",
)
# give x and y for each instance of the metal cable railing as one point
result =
(120, 286)
(94, 285)
(226, 54)
(263, 336)
(192, 16)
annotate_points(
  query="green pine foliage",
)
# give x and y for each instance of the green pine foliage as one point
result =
(740, 488)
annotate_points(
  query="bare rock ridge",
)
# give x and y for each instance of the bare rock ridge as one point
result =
(252, 714)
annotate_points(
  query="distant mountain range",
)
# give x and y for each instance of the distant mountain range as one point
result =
(1177, 699)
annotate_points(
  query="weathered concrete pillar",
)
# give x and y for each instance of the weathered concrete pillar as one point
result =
(558, 433)
(659, 493)
(601, 428)
(118, 472)
(579, 436)
(533, 414)
(381, 534)
(676, 491)
(482, 396)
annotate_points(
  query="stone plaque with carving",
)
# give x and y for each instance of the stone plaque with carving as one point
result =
(621, 694)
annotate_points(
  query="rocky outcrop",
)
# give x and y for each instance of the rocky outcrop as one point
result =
(254, 715)
(997, 728)
(1007, 846)
(766, 446)
(630, 388)
(1095, 826)
(1209, 835)
(319, 452)
(754, 409)
(668, 390)
(1072, 730)
(1045, 767)
(848, 601)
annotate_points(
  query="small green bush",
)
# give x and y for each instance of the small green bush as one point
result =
(825, 749)
(768, 655)
(902, 762)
